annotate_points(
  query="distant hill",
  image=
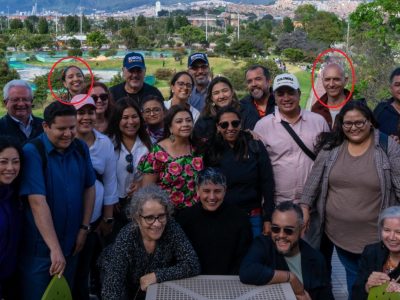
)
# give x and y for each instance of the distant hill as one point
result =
(71, 6)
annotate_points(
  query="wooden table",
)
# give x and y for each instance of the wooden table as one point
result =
(206, 287)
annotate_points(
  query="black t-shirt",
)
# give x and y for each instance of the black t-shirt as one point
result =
(118, 91)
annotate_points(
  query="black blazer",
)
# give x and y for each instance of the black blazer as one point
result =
(372, 259)
(9, 127)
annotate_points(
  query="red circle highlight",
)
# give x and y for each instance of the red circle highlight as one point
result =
(52, 70)
(353, 75)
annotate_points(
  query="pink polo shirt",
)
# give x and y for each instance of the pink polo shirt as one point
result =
(290, 164)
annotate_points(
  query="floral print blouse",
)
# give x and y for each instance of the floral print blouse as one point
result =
(176, 175)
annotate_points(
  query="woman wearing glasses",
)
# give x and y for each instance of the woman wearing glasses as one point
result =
(104, 163)
(246, 165)
(153, 110)
(355, 176)
(131, 142)
(104, 104)
(151, 249)
(173, 163)
(181, 87)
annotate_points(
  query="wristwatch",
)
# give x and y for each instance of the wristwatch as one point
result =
(108, 220)
(85, 227)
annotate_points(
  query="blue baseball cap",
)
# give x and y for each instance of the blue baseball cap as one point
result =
(133, 60)
(197, 56)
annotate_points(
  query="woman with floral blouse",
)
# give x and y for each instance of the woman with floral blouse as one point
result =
(172, 163)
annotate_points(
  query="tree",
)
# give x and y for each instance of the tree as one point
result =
(326, 27)
(74, 43)
(305, 14)
(181, 21)
(242, 48)
(190, 35)
(293, 55)
(43, 26)
(111, 24)
(170, 25)
(96, 39)
(29, 26)
(287, 25)
(16, 24)
(94, 52)
(129, 37)
(141, 21)
(71, 24)
(6, 74)
(85, 24)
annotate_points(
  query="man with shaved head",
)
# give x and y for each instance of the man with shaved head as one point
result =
(334, 81)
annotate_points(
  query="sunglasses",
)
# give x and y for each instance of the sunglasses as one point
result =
(225, 125)
(129, 160)
(286, 230)
(102, 97)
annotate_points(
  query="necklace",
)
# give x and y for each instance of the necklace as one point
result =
(390, 265)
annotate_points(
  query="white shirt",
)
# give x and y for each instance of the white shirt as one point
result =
(138, 150)
(194, 111)
(104, 162)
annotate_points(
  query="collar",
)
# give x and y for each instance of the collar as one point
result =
(22, 123)
(278, 118)
(49, 147)
(324, 98)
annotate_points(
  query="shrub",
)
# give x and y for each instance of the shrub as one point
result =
(164, 74)
(110, 52)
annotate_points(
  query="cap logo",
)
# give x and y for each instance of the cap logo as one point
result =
(284, 78)
(134, 59)
(197, 56)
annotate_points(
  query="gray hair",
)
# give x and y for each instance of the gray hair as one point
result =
(387, 213)
(16, 83)
(150, 192)
(212, 175)
(334, 65)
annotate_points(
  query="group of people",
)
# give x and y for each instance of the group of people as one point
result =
(122, 189)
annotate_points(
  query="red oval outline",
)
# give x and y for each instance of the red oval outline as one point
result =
(353, 79)
(52, 70)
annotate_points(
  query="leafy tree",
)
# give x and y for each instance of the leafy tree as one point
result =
(37, 41)
(116, 79)
(85, 24)
(170, 25)
(94, 53)
(71, 24)
(305, 14)
(16, 24)
(144, 42)
(287, 25)
(326, 27)
(96, 39)
(242, 48)
(74, 43)
(43, 26)
(298, 40)
(75, 52)
(192, 35)
(181, 21)
(293, 55)
(110, 52)
(111, 24)
(141, 21)
(125, 23)
(29, 26)
(6, 74)
(129, 37)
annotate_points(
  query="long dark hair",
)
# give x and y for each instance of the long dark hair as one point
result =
(176, 77)
(113, 130)
(210, 110)
(64, 74)
(170, 116)
(10, 142)
(330, 140)
(241, 147)
(111, 103)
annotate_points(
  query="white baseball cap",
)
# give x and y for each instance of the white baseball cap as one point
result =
(78, 103)
(286, 80)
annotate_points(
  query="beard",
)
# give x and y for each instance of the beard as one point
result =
(287, 252)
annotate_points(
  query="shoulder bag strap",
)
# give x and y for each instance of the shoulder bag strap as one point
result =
(298, 141)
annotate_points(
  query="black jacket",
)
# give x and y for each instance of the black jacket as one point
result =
(372, 259)
(249, 112)
(263, 259)
(118, 91)
(9, 127)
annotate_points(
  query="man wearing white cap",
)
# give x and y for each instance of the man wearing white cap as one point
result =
(289, 135)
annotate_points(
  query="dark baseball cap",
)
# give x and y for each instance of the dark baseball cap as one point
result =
(133, 60)
(197, 56)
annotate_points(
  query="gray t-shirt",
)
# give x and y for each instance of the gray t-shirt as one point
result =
(294, 264)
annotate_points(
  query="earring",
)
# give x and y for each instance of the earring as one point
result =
(172, 138)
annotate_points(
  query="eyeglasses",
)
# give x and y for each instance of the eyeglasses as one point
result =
(358, 124)
(102, 97)
(16, 100)
(129, 159)
(225, 125)
(286, 230)
(151, 219)
(155, 110)
(199, 67)
(182, 84)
